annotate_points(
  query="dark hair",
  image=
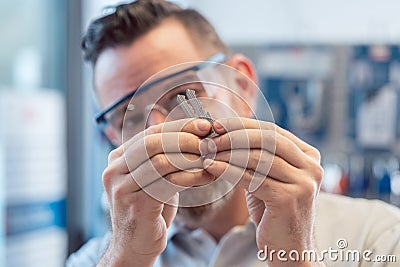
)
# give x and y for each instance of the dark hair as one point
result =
(130, 21)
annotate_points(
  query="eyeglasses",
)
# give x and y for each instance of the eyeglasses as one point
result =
(129, 113)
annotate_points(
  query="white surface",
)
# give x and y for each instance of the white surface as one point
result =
(34, 145)
(27, 69)
(293, 21)
(304, 21)
(2, 208)
(376, 120)
(44, 248)
(34, 171)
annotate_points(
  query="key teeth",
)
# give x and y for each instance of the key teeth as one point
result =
(195, 109)
(187, 109)
(191, 94)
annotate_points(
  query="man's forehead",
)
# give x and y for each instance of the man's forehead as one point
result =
(120, 70)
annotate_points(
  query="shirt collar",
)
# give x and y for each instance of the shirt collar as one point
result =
(177, 228)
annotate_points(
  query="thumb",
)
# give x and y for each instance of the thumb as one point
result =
(256, 208)
(169, 210)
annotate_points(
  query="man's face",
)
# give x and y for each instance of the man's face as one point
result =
(119, 70)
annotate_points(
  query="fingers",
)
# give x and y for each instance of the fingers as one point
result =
(256, 208)
(262, 162)
(169, 211)
(254, 159)
(232, 124)
(158, 166)
(160, 143)
(245, 178)
(164, 189)
(262, 139)
(190, 179)
(162, 165)
(198, 127)
(162, 138)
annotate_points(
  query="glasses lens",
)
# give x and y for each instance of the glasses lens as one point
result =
(157, 94)
(115, 117)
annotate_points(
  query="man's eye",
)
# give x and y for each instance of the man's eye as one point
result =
(133, 120)
(182, 90)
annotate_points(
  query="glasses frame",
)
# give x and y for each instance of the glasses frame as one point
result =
(216, 58)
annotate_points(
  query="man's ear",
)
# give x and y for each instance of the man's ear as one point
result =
(246, 81)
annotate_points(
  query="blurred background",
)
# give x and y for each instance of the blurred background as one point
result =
(329, 69)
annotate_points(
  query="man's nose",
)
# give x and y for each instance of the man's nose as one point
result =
(155, 117)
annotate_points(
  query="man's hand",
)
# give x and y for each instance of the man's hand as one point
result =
(135, 171)
(281, 175)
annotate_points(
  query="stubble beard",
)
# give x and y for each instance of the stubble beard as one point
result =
(195, 217)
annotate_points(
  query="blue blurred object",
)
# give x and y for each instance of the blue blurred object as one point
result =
(382, 170)
(358, 183)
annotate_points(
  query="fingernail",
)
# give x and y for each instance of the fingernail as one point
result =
(217, 126)
(211, 146)
(207, 163)
(203, 125)
(203, 147)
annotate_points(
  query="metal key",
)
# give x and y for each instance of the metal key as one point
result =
(193, 108)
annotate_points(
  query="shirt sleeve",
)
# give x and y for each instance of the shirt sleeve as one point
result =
(89, 254)
(365, 226)
(384, 238)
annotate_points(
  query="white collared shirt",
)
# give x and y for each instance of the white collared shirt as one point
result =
(362, 224)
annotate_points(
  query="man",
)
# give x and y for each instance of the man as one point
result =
(285, 212)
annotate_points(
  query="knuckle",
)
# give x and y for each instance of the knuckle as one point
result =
(309, 189)
(259, 125)
(118, 192)
(232, 138)
(270, 126)
(107, 176)
(183, 138)
(315, 169)
(318, 173)
(151, 129)
(188, 140)
(314, 154)
(263, 161)
(317, 154)
(172, 178)
(158, 161)
(292, 146)
(228, 123)
(150, 142)
(267, 136)
(256, 156)
(114, 154)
